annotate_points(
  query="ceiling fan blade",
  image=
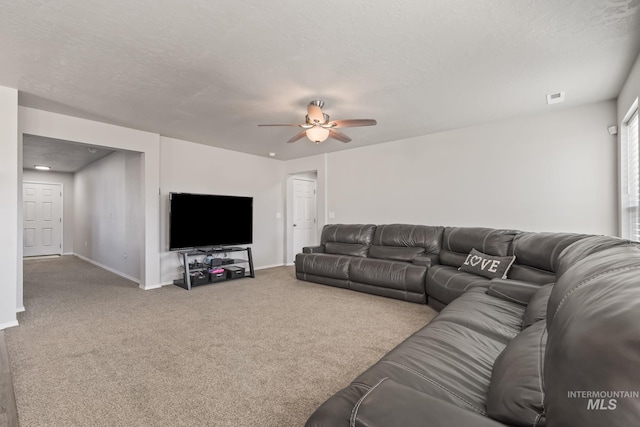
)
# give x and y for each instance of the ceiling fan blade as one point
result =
(286, 124)
(353, 123)
(336, 134)
(315, 113)
(297, 136)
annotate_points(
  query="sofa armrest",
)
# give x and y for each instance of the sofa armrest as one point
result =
(426, 260)
(516, 291)
(392, 404)
(313, 249)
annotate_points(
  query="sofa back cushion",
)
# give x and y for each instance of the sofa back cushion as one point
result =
(516, 390)
(395, 253)
(489, 266)
(537, 255)
(592, 321)
(403, 242)
(583, 248)
(347, 239)
(457, 242)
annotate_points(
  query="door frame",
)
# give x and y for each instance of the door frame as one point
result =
(315, 203)
(307, 176)
(61, 212)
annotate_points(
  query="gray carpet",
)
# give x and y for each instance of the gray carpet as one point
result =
(93, 349)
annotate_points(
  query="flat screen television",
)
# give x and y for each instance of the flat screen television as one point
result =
(207, 220)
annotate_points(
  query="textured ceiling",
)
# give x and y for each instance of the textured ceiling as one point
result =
(60, 156)
(209, 72)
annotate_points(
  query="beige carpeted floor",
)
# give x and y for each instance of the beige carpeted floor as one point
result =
(93, 349)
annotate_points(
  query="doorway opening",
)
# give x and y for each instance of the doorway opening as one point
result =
(89, 204)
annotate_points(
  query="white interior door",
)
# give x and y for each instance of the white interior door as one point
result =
(304, 214)
(42, 214)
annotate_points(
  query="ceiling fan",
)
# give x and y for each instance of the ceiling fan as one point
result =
(317, 126)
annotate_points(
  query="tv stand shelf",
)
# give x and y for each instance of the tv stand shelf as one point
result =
(200, 266)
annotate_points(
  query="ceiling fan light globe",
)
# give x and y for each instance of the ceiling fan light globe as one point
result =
(317, 134)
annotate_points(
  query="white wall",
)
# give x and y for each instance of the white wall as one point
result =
(66, 179)
(109, 220)
(548, 172)
(9, 186)
(195, 168)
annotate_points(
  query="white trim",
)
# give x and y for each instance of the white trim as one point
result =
(264, 267)
(20, 309)
(290, 264)
(36, 257)
(126, 276)
(301, 176)
(8, 325)
(624, 226)
(166, 283)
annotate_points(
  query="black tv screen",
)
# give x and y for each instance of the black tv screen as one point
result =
(200, 220)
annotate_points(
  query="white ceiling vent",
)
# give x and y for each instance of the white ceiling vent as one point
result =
(555, 98)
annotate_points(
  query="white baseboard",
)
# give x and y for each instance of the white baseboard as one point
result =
(264, 267)
(289, 264)
(119, 273)
(150, 287)
(8, 325)
(166, 283)
(39, 257)
(20, 309)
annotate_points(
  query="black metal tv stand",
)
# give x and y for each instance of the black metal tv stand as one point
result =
(201, 266)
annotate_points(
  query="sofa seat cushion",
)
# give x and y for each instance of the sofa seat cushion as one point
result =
(516, 392)
(399, 275)
(452, 357)
(495, 317)
(325, 265)
(446, 283)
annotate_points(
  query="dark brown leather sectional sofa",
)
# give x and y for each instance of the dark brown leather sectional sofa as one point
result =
(556, 342)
